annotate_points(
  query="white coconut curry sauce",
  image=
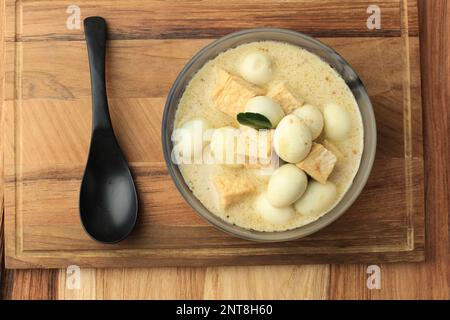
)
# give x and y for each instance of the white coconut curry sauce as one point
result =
(316, 131)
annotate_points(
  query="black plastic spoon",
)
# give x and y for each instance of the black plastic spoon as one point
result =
(108, 199)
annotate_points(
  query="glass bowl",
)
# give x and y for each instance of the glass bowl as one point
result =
(327, 54)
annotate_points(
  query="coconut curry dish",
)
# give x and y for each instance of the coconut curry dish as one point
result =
(268, 136)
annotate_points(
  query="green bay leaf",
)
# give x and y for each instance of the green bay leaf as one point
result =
(254, 120)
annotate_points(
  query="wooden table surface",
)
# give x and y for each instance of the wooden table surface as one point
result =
(428, 280)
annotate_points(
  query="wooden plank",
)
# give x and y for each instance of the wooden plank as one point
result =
(44, 20)
(2, 96)
(136, 284)
(29, 285)
(59, 70)
(87, 289)
(200, 283)
(271, 282)
(427, 280)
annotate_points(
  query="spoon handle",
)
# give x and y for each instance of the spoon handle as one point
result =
(95, 32)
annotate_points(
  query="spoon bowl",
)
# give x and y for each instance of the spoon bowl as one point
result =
(108, 198)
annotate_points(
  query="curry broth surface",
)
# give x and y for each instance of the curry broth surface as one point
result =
(307, 75)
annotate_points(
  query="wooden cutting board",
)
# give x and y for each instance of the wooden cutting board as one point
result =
(47, 114)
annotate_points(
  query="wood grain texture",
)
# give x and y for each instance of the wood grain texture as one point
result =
(47, 124)
(2, 97)
(136, 284)
(200, 283)
(349, 281)
(429, 280)
(267, 282)
(153, 19)
(59, 70)
(29, 285)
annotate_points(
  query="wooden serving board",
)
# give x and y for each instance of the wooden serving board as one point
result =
(46, 130)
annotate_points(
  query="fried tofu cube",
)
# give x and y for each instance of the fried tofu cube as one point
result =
(288, 100)
(232, 187)
(222, 76)
(319, 163)
(232, 93)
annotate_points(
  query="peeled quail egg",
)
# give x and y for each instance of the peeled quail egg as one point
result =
(267, 107)
(256, 68)
(272, 214)
(189, 138)
(223, 145)
(337, 122)
(312, 117)
(286, 185)
(292, 139)
(317, 198)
